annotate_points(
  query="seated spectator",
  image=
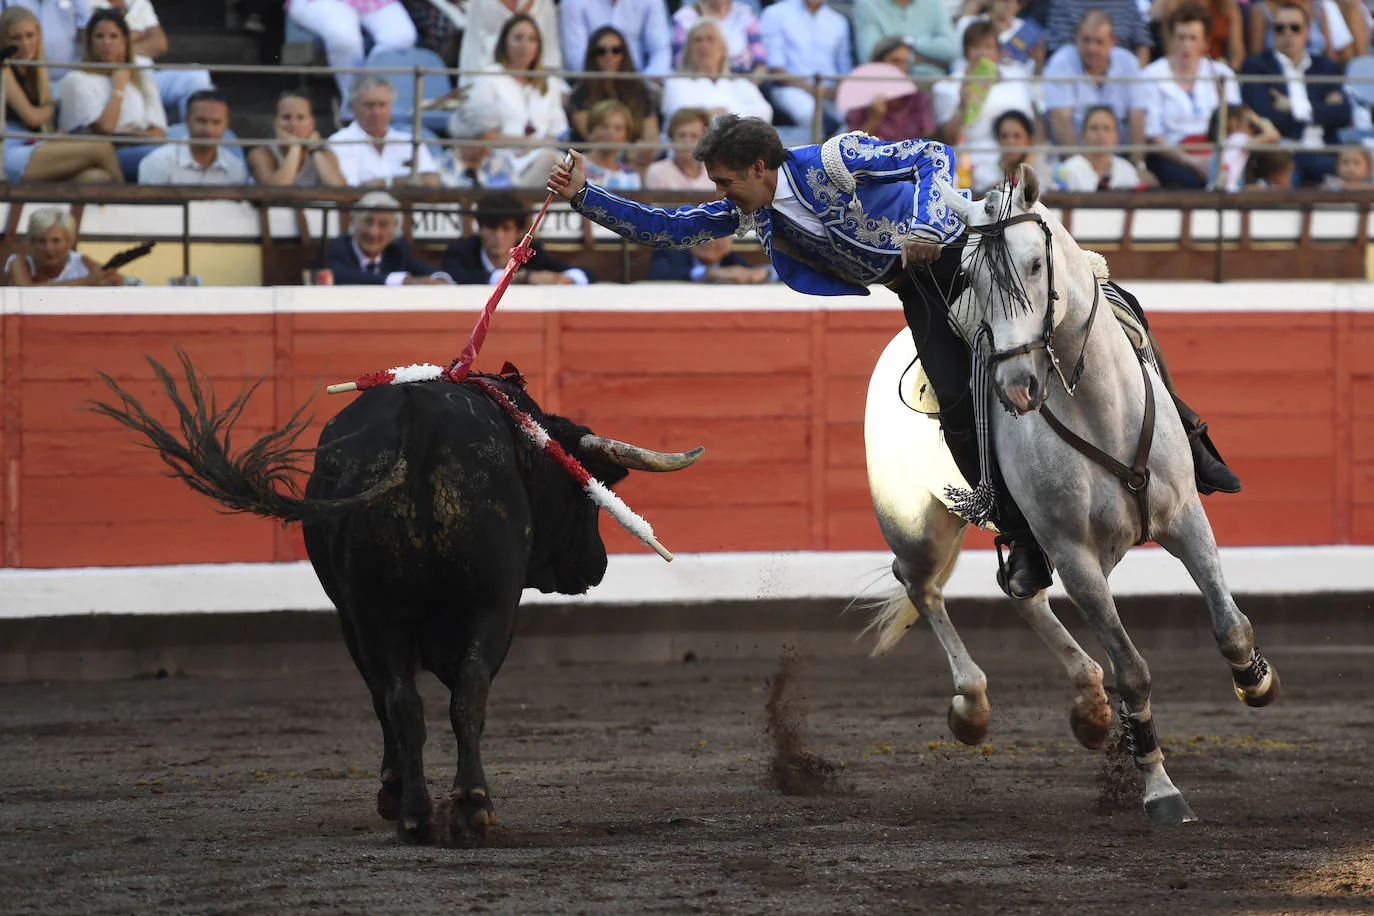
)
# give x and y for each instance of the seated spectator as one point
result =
(370, 151)
(804, 38)
(340, 25)
(30, 153)
(610, 123)
(373, 252)
(53, 259)
(681, 171)
(1180, 95)
(715, 261)
(306, 165)
(925, 23)
(644, 23)
(121, 103)
(607, 52)
(1022, 40)
(1227, 35)
(1330, 29)
(1094, 54)
(1015, 134)
(739, 24)
(149, 40)
(203, 160)
(1242, 128)
(1352, 170)
(481, 165)
(531, 106)
(967, 109)
(502, 220)
(1100, 170)
(1310, 113)
(1270, 170)
(486, 19)
(706, 83)
(62, 26)
(437, 29)
(1128, 23)
(899, 118)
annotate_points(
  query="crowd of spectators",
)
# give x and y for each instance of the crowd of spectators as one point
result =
(1136, 90)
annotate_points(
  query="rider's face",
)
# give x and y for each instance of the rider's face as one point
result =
(748, 189)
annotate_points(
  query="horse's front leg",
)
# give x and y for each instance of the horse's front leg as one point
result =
(1190, 539)
(1091, 717)
(1087, 585)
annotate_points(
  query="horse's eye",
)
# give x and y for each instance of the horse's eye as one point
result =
(1035, 267)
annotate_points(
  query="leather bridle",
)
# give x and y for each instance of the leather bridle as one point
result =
(1135, 478)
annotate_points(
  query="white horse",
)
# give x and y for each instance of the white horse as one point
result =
(1034, 291)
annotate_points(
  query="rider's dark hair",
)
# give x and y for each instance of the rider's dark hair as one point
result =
(737, 143)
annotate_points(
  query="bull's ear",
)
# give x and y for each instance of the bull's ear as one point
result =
(1029, 185)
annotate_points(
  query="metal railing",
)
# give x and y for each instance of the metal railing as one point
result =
(818, 84)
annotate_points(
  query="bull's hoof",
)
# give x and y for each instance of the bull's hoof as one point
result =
(968, 726)
(415, 829)
(1169, 809)
(471, 815)
(1091, 734)
(389, 798)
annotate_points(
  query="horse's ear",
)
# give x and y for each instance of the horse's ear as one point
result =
(954, 199)
(1029, 183)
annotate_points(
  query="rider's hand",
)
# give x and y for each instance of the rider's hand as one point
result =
(566, 180)
(920, 251)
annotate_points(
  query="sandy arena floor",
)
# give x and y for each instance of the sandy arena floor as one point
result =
(644, 788)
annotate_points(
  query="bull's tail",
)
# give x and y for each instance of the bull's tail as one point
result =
(262, 478)
(891, 619)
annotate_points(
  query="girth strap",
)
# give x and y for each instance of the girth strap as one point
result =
(1137, 478)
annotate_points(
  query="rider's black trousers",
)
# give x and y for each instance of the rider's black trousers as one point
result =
(926, 290)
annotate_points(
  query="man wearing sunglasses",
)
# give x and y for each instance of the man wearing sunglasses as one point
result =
(1311, 113)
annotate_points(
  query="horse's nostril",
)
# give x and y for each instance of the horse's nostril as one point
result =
(1031, 387)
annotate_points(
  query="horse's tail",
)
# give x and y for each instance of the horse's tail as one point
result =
(261, 479)
(891, 618)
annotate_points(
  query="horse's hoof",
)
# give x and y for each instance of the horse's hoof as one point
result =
(966, 730)
(1090, 734)
(1169, 809)
(389, 798)
(1262, 694)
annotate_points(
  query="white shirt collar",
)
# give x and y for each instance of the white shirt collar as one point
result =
(185, 160)
(363, 260)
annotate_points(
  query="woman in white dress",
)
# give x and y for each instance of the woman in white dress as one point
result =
(531, 106)
(122, 103)
(52, 260)
(485, 21)
(705, 81)
(1099, 171)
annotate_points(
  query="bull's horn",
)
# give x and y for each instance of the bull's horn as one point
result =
(638, 459)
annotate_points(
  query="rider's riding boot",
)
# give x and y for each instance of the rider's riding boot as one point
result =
(1027, 569)
(1211, 473)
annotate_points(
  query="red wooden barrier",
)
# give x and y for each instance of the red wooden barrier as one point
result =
(776, 397)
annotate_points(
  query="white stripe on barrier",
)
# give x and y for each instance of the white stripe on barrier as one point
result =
(638, 579)
(1276, 296)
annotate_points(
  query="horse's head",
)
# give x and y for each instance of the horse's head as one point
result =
(1010, 265)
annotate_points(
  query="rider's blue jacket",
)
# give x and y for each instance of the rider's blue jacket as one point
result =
(867, 195)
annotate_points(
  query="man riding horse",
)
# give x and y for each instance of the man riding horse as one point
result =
(836, 218)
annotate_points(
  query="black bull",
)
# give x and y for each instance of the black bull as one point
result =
(425, 516)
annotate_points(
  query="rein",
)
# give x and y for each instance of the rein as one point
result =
(1046, 341)
(1135, 478)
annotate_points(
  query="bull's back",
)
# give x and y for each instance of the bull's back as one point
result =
(457, 518)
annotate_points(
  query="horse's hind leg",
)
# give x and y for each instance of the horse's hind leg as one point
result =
(1091, 717)
(968, 710)
(1087, 586)
(1191, 540)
